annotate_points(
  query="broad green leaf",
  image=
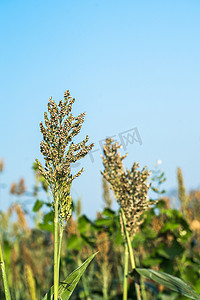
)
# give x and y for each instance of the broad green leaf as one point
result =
(67, 286)
(38, 204)
(171, 282)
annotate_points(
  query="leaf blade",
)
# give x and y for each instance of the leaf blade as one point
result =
(71, 281)
(169, 281)
(74, 277)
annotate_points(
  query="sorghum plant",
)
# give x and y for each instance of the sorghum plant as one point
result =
(60, 152)
(130, 188)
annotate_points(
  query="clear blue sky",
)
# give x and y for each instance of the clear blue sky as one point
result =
(128, 63)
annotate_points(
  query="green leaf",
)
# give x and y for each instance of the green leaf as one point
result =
(169, 281)
(83, 224)
(91, 241)
(67, 286)
(104, 222)
(118, 238)
(169, 226)
(108, 212)
(49, 217)
(47, 223)
(38, 204)
(74, 242)
(46, 227)
(149, 261)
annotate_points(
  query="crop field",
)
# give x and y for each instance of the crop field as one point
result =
(146, 249)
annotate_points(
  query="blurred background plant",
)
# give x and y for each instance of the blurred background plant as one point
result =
(168, 240)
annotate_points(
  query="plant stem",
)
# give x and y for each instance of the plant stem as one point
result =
(125, 281)
(3, 270)
(60, 245)
(130, 249)
(56, 269)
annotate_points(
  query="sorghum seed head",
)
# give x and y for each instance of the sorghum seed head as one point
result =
(130, 187)
(59, 151)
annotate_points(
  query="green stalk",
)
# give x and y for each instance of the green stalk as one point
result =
(60, 246)
(130, 249)
(125, 281)
(3, 270)
(56, 269)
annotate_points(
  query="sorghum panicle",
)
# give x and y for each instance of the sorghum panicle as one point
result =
(130, 187)
(59, 151)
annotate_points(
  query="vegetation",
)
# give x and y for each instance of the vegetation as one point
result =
(143, 248)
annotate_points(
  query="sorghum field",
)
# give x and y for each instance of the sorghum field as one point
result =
(145, 250)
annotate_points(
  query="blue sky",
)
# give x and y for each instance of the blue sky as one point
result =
(128, 63)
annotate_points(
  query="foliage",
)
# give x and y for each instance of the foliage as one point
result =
(167, 242)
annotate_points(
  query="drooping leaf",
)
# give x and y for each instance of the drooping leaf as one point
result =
(67, 286)
(169, 281)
